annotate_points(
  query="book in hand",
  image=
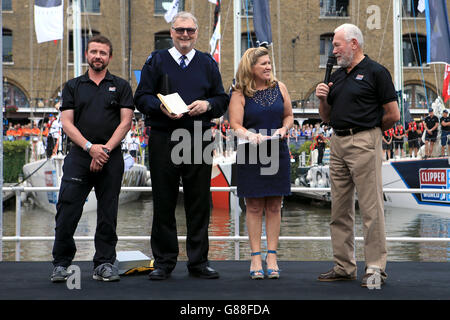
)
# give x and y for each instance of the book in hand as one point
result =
(173, 103)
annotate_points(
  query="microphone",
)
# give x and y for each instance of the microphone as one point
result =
(330, 63)
(165, 86)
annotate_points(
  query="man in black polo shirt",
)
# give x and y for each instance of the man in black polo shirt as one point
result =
(445, 133)
(360, 101)
(431, 126)
(97, 109)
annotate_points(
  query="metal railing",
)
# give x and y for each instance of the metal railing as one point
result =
(236, 238)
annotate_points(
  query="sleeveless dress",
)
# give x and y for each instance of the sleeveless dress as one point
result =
(256, 176)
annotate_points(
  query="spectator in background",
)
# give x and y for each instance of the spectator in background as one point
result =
(399, 133)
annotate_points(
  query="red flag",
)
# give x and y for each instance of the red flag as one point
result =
(446, 86)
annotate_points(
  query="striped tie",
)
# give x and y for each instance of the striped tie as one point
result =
(182, 63)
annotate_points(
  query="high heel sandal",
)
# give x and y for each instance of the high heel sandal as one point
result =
(272, 273)
(256, 274)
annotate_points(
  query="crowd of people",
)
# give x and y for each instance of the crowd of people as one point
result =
(417, 134)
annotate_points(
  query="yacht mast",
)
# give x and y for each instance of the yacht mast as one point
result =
(398, 55)
(76, 35)
(237, 33)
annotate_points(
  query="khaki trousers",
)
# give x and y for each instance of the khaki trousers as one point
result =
(355, 162)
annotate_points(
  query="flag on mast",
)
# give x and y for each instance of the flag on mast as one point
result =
(214, 43)
(48, 20)
(446, 85)
(261, 22)
(173, 10)
(438, 32)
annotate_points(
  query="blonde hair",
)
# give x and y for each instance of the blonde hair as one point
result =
(244, 75)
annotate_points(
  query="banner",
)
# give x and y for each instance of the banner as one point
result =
(261, 22)
(446, 85)
(438, 32)
(214, 43)
(173, 10)
(48, 20)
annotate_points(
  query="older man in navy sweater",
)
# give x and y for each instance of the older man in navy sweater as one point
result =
(194, 75)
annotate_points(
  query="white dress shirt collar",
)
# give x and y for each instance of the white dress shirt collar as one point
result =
(176, 55)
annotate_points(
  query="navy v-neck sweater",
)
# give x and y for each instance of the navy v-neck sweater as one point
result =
(200, 80)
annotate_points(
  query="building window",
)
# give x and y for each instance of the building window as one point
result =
(13, 96)
(89, 6)
(85, 36)
(410, 9)
(161, 6)
(414, 55)
(7, 5)
(326, 47)
(248, 40)
(246, 8)
(415, 98)
(7, 45)
(333, 8)
(163, 40)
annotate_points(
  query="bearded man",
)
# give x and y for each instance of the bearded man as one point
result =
(360, 102)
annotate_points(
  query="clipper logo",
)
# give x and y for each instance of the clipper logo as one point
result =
(435, 179)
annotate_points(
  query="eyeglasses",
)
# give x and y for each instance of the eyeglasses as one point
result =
(190, 31)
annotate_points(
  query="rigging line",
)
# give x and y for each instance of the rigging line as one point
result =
(53, 77)
(385, 30)
(418, 50)
(435, 79)
(226, 20)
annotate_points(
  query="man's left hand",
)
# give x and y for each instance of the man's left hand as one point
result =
(198, 107)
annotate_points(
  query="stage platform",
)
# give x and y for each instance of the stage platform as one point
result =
(406, 281)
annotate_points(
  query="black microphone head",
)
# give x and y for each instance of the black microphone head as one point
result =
(332, 60)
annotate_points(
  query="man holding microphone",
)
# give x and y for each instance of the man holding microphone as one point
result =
(359, 102)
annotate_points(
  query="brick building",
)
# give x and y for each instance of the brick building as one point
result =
(302, 31)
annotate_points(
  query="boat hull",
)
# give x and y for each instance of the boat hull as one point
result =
(430, 173)
(49, 173)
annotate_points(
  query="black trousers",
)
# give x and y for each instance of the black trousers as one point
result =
(196, 180)
(77, 182)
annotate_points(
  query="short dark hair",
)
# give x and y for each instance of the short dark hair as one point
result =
(101, 39)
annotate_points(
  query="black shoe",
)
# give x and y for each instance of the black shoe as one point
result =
(59, 274)
(106, 272)
(205, 272)
(159, 274)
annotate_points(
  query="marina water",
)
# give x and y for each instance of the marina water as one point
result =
(299, 218)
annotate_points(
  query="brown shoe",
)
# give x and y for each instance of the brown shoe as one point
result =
(333, 276)
(373, 279)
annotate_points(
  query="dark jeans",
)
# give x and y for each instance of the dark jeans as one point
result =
(76, 184)
(196, 180)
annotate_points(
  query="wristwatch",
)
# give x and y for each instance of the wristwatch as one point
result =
(209, 106)
(88, 146)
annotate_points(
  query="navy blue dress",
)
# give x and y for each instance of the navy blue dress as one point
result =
(264, 175)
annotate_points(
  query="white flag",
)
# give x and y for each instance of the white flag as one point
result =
(421, 6)
(173, 10)
(215, 37)
(48, 20)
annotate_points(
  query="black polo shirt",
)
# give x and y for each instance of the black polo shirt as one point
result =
(445, 128)
(357, 98)
(430, 122)
(97, 108)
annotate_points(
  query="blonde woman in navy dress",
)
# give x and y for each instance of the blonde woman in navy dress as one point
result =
(260, 107)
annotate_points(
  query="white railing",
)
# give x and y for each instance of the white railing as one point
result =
(236, 238)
